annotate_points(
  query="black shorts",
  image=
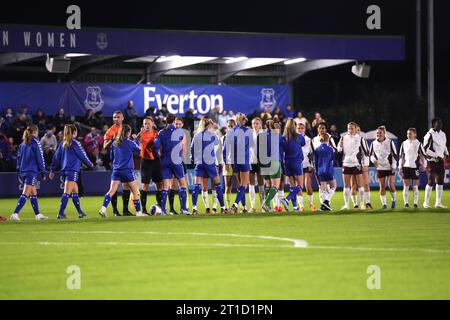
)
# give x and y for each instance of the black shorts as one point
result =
(410, 173)
(352, 170)
(307, 170)
(384, 173)
(150, 171)
(436, 167)
(255, 168)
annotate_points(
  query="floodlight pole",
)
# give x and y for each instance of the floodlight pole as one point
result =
(430, 61)
(418, 50)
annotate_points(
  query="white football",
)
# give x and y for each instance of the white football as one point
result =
(155, 210)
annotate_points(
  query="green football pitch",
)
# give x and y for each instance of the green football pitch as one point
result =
(391, 254)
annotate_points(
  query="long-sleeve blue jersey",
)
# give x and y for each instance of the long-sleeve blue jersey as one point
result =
(30, 158)
(271, 150)
(323, 160)
(169, 140)
(237, 144)
(293, 148)
(70, 158)
(122, 155)
(202, 147)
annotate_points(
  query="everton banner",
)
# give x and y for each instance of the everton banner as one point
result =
(77, 98)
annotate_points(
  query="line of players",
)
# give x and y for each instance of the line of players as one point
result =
(296, 157)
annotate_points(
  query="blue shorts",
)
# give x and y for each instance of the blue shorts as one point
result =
(170, 170)
(29, 179)
(293, 168)
(325, 177)
(205, 171)
(70, 176)
(123, 176)
(241, 168)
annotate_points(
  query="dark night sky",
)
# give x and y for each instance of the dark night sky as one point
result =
(318, 16)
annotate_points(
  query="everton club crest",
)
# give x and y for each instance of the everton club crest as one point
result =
(268, 99)
(94, 99)
(102, 41)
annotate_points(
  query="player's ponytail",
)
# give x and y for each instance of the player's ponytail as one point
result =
(204, 123)
(241, 119)
(290, 131)
(270, 125)
(28, 133)
(69, 130)
(123, 133)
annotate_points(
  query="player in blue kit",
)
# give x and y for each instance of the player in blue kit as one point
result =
(237, 145)
(122, 152)
(203, 154)
(30, 162)
(69, 156)
(293, 158)
(323, 163)
(169, 144)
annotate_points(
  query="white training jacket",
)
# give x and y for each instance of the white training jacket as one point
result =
(353, 148)
(411, 151)
(384, 153)
(435, 144)
(307, 153)
(315, 142)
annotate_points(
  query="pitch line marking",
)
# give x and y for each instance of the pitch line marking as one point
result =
(296, 243)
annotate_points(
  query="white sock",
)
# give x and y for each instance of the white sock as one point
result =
(300, 201)
(405, 194)
(331, 192)
(367, 196)
(439, 191)
(393, 196)
(383, 199)
(310, 199)
(261, 194)
(320, 196)
(251, 193)
(416, 194)
(347, 197)
(280, 196)
(205, 199)
(361, 196)
(215, 199)
(325, 195)
(103, 209)
(428, 190)
(354, 200)
(275, 200)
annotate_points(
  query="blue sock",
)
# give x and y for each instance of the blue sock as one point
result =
(20, 203)
(183, 198)
(240, 195)
(219, 193)
(163, 200)
(76, 202)
(34, 204)
(291, 194)
(106, 200)
(195, 193)
(244, 198)
(137, 205)
(63, 204)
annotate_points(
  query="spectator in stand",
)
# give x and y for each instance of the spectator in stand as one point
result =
(24, 110)
(189, 120)
(60, 120)
(49, 145)
(308, 131)
(290, 113)
(20, 123)
(223, 120)
(164, 111)
(214, 114)
(231, 115)
(5, 127)
(150, 112)
(334, 134)
(60, 136)
(89, 119)
(276, 119)
(130, 116)
(40, 119)
(9, 115)
(277, 112)
(4, 151)
(302, 119)
(100, 120)
(93, 143)
(265, 115)
(317, 119)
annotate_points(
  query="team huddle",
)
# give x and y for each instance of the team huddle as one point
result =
(261, 155)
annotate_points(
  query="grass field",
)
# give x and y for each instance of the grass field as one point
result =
(250, 256)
